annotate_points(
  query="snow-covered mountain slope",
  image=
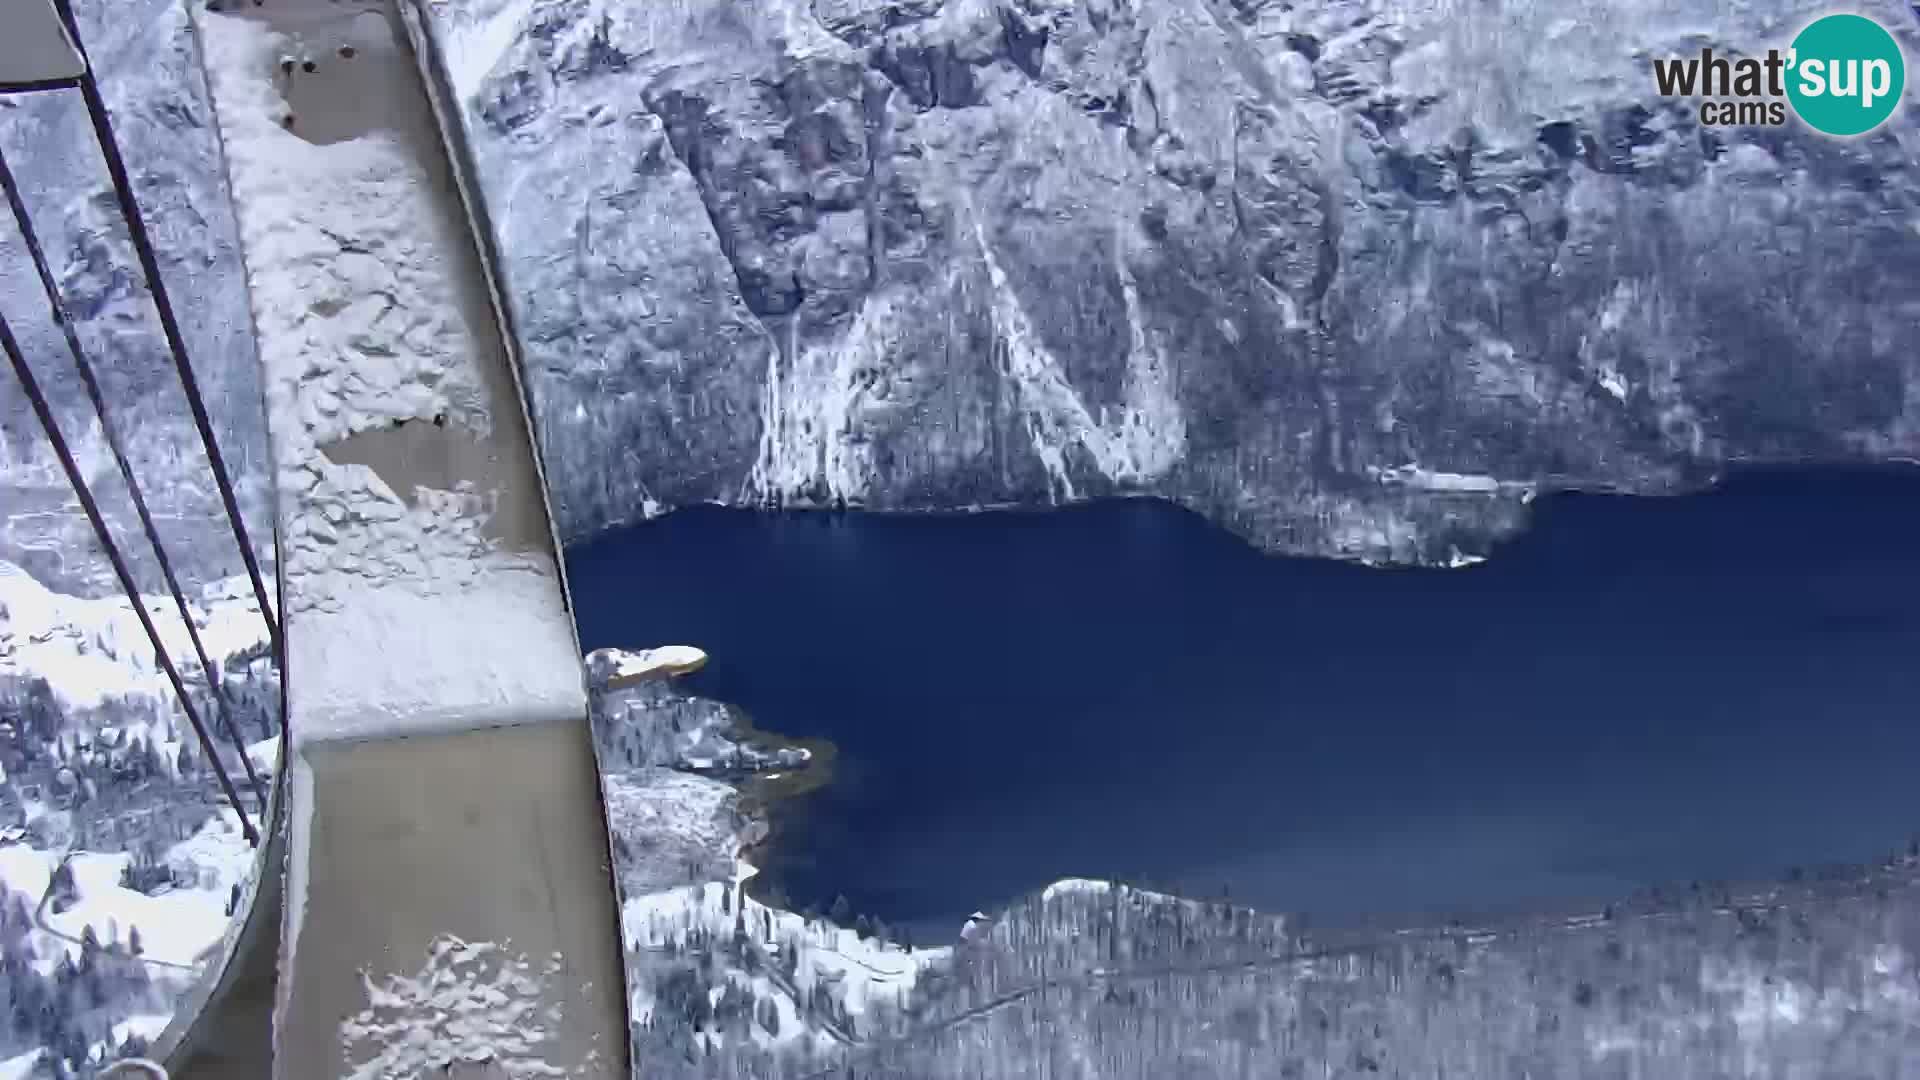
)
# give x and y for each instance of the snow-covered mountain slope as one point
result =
(140, 955)
(150, 75)
(93, 649)
(110, 822)
(1353, 278)
(119, 885)
(120, 866)
(177, 926)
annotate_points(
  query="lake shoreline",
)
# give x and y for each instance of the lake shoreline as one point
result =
(770, 801)
(1619, 698)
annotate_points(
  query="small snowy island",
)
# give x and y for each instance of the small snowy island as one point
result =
(625, 668)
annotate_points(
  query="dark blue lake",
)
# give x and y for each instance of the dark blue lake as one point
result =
(1636, 691)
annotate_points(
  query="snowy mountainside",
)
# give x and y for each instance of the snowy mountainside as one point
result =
(92, 649)
(120, 863)
(104, 967)
(1355, 279)
(150, 76)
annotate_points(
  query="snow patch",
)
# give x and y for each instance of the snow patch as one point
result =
(443, 662)
(630, 667)
(1076, 887)
(265, 755)
(481, 33)
(1613, 383)
(146, 1027)
(19, 1068)
(180, 928)
(471, 1003)
(92, 650)
(1093, 887)
(1421, 479)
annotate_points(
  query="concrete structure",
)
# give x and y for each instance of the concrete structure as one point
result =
(487, 836)
(442, 802)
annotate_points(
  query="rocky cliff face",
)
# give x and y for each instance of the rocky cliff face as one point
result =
(1355, 278)
(150, 76)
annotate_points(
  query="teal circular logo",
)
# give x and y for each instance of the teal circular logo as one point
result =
(1845, 74)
